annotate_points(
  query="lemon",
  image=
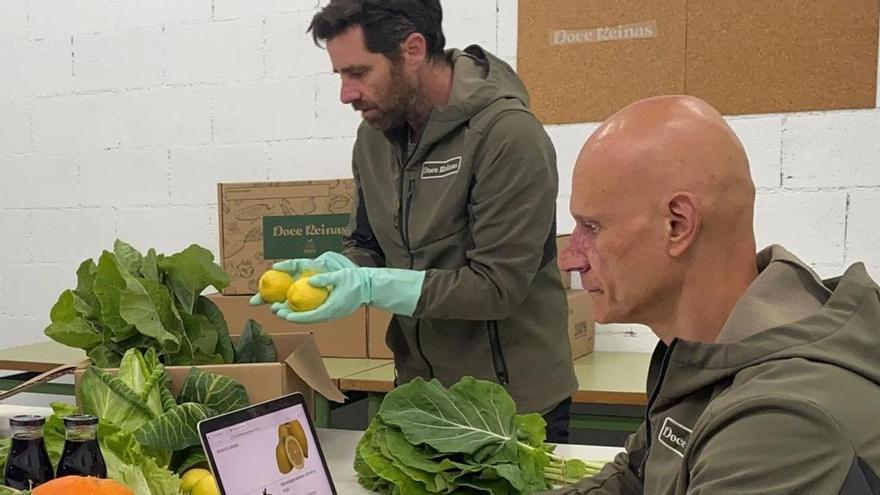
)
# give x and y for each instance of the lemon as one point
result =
(274, 285)
(282, 459)
(206, 486)
(190, 478)
(294, 453)
(301, 296)
(296, 431)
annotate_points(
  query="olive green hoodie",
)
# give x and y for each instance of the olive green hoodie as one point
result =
(472, 203)
(788, 404)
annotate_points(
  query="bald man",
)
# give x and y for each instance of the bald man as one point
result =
(765, 379)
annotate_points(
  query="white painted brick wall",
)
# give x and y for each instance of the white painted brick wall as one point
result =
(120, 116)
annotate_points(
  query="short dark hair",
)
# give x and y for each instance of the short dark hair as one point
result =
(386, 23)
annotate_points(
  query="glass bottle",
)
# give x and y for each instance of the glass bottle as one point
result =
(82, 454)
(28, 463)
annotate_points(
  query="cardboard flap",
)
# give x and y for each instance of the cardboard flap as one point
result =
(48, 376)
(306, 361)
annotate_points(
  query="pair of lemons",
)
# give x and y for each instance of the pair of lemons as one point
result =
(277, 286)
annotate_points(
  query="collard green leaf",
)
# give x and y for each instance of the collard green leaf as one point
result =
(85, 287)
(384, 468)
(143, 380)
(471, 417)
(69, 325)
(149, 268)
(254, 346)
(109, 288)
(176, 429)
(107, 397)
(190, 272)
(209, 310)
(129, 258)
(531, 429)
(105, 356)
(144, 304)
(217, 392)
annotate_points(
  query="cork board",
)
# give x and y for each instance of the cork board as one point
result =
(583, 60)
(754, 56)
(743, 56)
(263, 222)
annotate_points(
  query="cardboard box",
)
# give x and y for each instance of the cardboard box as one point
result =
(345, 337)
(264, 222)
(377, 327)
(561, 245)
(581, 327)
(299, 369)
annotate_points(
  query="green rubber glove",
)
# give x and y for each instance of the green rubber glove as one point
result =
(394, 290)
(326, 262)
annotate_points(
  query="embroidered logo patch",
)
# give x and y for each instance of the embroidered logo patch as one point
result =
(674, 436)
(437, 170)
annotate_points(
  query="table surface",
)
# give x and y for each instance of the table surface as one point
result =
(603, 377)
(339, 445)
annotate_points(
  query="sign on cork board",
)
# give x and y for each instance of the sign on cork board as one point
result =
(582, 60)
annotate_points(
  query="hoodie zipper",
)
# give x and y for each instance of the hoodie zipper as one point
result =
(498, 360)
(654, 393)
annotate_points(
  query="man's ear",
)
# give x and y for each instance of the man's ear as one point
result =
(414, 48)
(682, 223)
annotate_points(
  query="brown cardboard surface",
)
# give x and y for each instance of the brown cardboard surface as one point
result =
(299, 369)
(581, 327)
(561, 244)
(316, 208)
(752, 56)
(345, 337)
(377, 328)
(617, 51)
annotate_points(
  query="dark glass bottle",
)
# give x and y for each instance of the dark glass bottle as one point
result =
(82, 454)
(28, 463)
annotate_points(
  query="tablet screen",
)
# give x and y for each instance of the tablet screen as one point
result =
(272, 454)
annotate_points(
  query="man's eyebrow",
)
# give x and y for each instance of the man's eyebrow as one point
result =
(351, 68)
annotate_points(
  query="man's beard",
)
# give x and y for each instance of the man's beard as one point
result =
(394, 106)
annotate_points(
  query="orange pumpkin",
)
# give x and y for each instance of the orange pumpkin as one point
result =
(82, 485)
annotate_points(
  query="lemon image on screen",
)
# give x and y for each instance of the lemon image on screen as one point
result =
(293, 448)
(301, 296)
(274, 285)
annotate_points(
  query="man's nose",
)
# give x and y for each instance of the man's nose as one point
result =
(348, 93)
(574, 257)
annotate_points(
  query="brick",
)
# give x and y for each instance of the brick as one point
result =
(832, 149)
(38, 181)
(762, 140)
(568, 141)
(564, 221)
(226, 9)
(466, 22)
(127, 59)
(817, 238)
(124, 177)
(30, 290)
(71, 236)
(334, 118)
(508, 19)
(136, 13)
(166, 116)
(21, 331)
(15, 126)
(16, 228)
(214, 52)
(195, 172)
(290, 51)
(863, 227)
(14, 21)
(264, 111)
(76, 122)
(36, 67)
(174, 228)
(54, 17)
(311, 159)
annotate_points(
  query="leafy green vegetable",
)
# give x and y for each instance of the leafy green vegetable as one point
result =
(464, 439)
(217, 392)
(147, 301)
(254, 346)
(176, 428)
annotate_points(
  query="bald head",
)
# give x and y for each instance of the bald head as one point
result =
(661, 191)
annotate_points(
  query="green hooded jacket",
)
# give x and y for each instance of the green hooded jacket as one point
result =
(473, 204)
(786, 402)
